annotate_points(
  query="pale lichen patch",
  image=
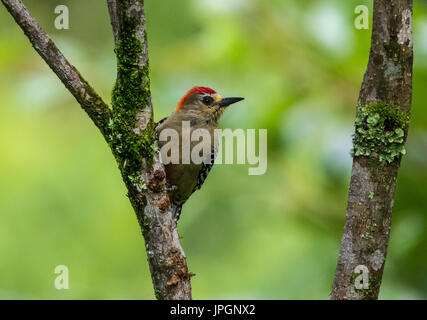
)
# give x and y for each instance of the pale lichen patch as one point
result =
(392, 70)
(376, 259)
(405, 34)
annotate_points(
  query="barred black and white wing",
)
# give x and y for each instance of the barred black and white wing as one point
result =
(207, 166)
(203, 173)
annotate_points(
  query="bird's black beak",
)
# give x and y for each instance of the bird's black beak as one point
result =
(227, 101)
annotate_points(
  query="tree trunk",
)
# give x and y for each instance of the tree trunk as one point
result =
(381, 126)
(133, 142)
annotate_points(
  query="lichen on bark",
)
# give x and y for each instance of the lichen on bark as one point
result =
(380, 129)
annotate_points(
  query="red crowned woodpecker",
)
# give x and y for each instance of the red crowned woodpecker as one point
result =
(199, 108)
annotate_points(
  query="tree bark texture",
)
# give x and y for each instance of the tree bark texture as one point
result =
(385, 98)
(129, 129)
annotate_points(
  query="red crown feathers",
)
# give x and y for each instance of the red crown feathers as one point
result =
(198, 90)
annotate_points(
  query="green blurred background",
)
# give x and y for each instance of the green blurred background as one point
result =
(276, 236)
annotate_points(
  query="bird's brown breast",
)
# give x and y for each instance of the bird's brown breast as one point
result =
(184, 176)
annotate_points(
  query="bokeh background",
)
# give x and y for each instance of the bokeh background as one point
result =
(276, 236)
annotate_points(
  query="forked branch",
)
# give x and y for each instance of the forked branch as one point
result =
(129, 130)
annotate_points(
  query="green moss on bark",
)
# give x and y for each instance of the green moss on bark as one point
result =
(380, 128)
(131, 95)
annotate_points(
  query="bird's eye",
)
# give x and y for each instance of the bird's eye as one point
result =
(207, 100)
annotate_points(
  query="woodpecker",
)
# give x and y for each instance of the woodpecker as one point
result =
(199, 108)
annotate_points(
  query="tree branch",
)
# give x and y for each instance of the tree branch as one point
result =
(133, 141)
(89, 100)
(114, 18)
(381, 128)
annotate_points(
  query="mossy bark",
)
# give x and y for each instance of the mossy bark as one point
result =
(387, 85)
